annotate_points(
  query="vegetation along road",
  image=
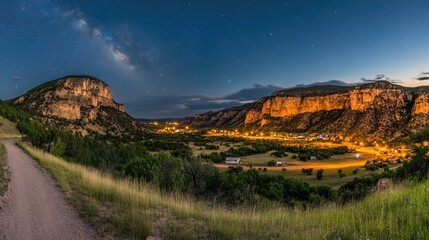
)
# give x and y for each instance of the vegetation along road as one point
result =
(34, 207)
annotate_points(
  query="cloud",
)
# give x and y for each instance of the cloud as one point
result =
(254, 93)
(17, 78)
(380, 77)
(183, 106)
(331, 82)
(423, 76)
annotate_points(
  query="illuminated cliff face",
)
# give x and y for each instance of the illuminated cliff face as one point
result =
(421, 104)
(72, 98)
(378, 109)
(357, 99)
(80, 104)
(285, 107)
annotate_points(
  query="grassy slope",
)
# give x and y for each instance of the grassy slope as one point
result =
(8, 129)
(137, 210)
(4, 175)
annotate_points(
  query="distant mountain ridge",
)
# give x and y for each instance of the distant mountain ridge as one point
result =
(330, 83)
(79, 103)
(379, 109)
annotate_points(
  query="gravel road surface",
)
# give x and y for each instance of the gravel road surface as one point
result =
(34, 207)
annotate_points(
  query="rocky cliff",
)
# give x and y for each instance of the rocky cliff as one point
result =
(379, 109)
(79, 103)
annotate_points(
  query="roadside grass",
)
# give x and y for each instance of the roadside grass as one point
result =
(4, 174)
(123, 208)
(8, 129)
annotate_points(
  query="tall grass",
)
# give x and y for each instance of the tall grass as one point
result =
(4, 175)
(8, 129)
(129, 209)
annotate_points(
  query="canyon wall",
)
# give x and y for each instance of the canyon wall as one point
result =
(81, 104)
(379, 109)
(70, 98)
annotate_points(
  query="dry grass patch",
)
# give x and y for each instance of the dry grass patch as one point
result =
(4, 174)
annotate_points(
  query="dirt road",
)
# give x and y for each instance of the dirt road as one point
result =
(34, 207)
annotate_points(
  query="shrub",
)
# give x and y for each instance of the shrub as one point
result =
(277, 154)
(307, 171)
(319, 174)
(271, 163)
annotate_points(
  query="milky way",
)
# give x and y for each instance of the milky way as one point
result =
(160, 56)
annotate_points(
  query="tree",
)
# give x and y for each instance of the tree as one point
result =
(58, 148)
(271, 163)
(319, 174)
(307, 171)
(197, 174)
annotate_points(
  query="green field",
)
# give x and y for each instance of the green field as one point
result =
(330, 166)
(121, 208)
(198, 150)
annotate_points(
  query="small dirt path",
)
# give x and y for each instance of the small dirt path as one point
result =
(34, 207)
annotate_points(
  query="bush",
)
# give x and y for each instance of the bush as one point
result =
(307, 171)
(271, 163)
(319, 174)
(211, 147)
(277, 154)
(341, 175)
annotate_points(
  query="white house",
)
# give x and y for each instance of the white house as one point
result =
(313, 158)
(232, 160)
(280, 163)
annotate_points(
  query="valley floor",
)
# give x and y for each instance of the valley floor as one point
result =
(135, 210)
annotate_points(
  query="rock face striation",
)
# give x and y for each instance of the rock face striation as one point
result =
(379, 109)
(81, 103)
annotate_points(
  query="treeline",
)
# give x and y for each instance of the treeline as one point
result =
(233, 187)
(414, 170)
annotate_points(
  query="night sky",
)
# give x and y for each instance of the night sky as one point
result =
(176, 58)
